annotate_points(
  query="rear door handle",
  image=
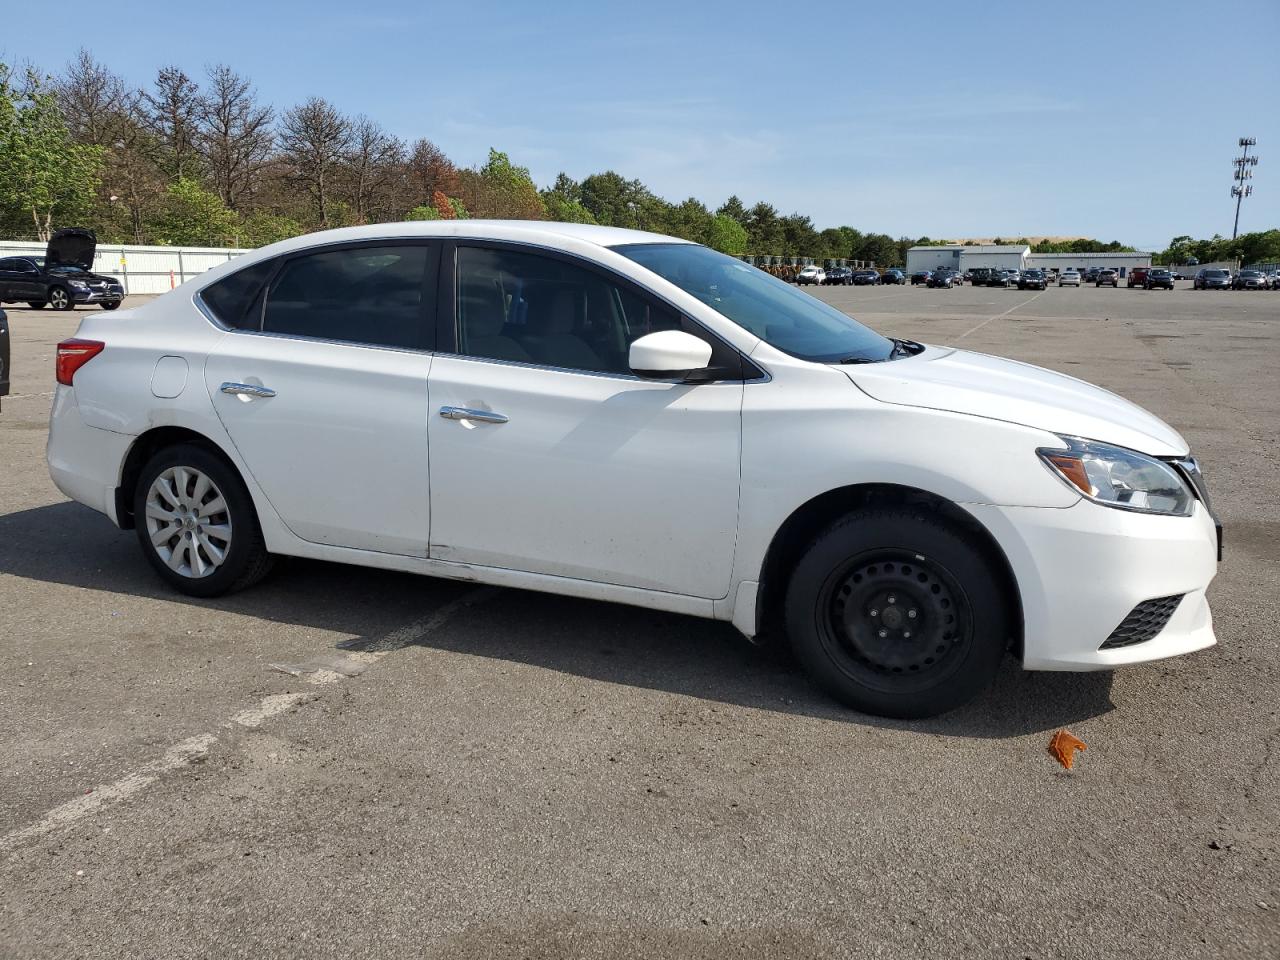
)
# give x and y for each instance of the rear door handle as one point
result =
(467, 413)
(247, 390)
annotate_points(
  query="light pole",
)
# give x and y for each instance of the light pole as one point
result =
(1240, 189)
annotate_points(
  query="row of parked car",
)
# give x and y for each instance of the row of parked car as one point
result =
(844, 276)
(1149, 278)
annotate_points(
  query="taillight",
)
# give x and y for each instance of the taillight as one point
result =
(74, 354)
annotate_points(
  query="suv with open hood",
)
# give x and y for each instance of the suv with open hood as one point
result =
(61, 278)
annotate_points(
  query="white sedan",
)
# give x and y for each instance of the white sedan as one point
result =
(617, 415)
(1069, 278)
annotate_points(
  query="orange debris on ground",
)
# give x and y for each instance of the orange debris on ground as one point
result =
(1063, 748)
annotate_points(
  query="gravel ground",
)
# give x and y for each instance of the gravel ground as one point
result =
(344, 762)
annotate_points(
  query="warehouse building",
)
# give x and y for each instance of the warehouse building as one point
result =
(1017, 256)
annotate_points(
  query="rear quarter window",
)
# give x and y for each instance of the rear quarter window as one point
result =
(233, 298)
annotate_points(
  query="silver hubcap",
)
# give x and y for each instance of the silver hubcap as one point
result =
(188, 522)
(59, 298)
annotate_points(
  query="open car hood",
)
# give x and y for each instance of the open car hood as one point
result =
(74, 245)
(942, 378)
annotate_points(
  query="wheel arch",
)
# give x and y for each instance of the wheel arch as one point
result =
(810, 518)
(144, 447)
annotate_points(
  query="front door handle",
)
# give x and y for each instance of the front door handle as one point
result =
(247, 390)
(467, 413)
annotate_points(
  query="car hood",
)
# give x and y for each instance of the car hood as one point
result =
(74, 245)
(942, 378)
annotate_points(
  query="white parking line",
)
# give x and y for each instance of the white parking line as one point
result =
(331, 671)
(997, 317)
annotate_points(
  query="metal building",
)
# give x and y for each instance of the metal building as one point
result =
(1000, 256)
(1017, 257)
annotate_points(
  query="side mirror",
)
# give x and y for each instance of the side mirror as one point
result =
(669, 355)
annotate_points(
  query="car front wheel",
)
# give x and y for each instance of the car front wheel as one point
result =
(60, 298)
(196, 523)
(897, 614)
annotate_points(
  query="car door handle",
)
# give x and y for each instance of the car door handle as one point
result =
(247, 390)
(467, 413)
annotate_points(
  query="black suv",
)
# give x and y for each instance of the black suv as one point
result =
(980, 276)
(893, 275)
(839, 276)
(4, 354)
(863, 277)
(1032, 280)
(1157, 278)
(61, 278)
(1210, 279)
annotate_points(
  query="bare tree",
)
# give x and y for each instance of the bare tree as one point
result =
(172, 115)
(314, 138)
(373, 161)
(430, 170)
(93, 100)
(234, 137)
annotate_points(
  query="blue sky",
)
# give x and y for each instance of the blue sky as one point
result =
(1110, 120)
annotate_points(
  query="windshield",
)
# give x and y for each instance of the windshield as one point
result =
(765, 306)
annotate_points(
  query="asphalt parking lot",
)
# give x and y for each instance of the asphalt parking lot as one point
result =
(345, 762)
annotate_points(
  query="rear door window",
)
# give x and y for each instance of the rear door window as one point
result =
(373, 294)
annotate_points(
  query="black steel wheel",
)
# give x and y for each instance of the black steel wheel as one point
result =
(898, 613)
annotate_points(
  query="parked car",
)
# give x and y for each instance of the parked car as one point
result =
(1274, 280)
(1033, 280)
(980, 276)
(945, 278)
(1158, 278)
(1107, 277)
(61, 278)
(1250, 280)
(1069, 278)
(1137, 277)
(864, 277)
(1208, 278)
(893, 275)
(811, 275)
(283, 403)
(4, 353)
(999, 278)
(839, 276)
(1091, 274)
(920, 276)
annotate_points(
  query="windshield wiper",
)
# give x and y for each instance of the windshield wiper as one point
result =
(859, 360)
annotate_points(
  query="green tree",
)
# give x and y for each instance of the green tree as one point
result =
(423, 212)
(734, 208)
(689, 220)
(727, 235)
(880, 248)
(262, 227)
(43, 173)
(501, 189)
(192, 216)
(764, 230)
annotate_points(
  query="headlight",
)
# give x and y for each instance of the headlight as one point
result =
(1116, 477)
(79, 284)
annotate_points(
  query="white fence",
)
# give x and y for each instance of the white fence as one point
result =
(141, 269)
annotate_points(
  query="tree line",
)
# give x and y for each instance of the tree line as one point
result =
(204, 162)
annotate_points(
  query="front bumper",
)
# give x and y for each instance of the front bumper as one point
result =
(1082, 570)
(108, 295)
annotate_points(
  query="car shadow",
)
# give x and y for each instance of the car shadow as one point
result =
(69, 544)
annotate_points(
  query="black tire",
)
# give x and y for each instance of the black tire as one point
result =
(865, 575)
(36, 304)
(109, 306)
(247, 560)
(60, 298)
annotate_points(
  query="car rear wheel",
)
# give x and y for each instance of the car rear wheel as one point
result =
(897, 614)
(196, 523)
(60, 298)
